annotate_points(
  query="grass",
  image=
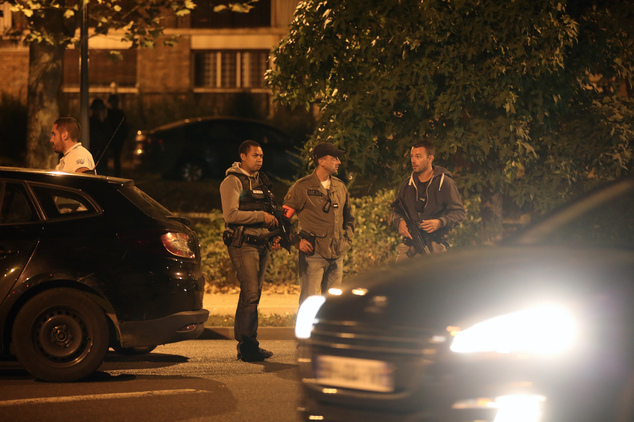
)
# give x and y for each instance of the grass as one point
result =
(272, 320)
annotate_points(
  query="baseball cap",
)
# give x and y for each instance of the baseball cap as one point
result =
(326, 148)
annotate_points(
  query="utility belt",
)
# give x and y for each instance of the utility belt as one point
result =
(234, 236)
(255, 240)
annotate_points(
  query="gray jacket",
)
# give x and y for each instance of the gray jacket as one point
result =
(230, 190)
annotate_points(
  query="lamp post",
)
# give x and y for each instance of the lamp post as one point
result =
(83, 83)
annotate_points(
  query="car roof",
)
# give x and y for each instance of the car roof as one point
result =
(60, 178)
(184, 122)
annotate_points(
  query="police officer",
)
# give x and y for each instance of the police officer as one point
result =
(244, 205)
(322, 204)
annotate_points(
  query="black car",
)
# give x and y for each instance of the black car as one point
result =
(87, 263)
(537, 328)
(193, 149)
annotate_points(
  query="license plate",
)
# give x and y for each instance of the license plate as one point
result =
(358, 374)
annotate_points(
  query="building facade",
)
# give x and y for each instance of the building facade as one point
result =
(217, 56)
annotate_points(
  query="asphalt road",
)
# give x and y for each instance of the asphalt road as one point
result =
(197, 380)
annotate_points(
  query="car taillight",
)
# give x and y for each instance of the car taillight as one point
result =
(158, 242)
(177, 244)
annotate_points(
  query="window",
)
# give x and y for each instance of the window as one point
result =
(14, 204)
(63, 203)
(227, 69)
(203, 16)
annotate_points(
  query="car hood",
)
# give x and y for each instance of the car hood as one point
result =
(464, 286)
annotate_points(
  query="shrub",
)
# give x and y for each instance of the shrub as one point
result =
(216, 265)
(375, 243)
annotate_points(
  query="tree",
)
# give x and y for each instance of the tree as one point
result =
(520, 96)
(52, 27)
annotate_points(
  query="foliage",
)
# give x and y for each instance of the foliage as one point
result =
(216, 265)
(375, 237)
(55, 22)
(374, 244)
(521, 97)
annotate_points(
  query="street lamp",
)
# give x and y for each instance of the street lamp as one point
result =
(83, 83)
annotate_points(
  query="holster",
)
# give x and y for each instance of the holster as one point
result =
(310, 237)
(233, 236)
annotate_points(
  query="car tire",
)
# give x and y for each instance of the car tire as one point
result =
(190, 171)
(134, 351)
(60, 335)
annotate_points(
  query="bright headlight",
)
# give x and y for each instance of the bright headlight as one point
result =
(306, 316)
(545, 330)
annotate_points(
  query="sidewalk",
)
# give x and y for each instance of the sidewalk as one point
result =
(270, 304)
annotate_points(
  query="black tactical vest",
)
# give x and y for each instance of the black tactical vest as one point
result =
(253, 198)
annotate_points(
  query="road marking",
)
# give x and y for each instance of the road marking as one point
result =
(66, 399)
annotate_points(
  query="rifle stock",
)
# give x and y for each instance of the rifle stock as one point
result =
(418, 241)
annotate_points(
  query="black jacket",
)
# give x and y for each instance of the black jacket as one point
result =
(443, 202)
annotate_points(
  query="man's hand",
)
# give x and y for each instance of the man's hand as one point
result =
(275, 244)
(402, 229)
(305, 246)
(431, 226)
(269, 220)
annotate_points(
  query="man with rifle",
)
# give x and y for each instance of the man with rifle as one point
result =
(246, 209)
(428, 205)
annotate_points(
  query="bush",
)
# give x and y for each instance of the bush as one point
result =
(375, 238)
(375, 243)
(216, 265)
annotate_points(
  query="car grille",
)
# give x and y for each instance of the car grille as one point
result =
(355, 337)
(411, 352)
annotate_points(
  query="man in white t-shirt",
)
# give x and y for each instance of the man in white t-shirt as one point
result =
(64, 138)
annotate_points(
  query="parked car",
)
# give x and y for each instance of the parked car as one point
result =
(87, 263)
(537, 328)
(193, 149)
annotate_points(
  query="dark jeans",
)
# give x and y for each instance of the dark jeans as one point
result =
(250, 263)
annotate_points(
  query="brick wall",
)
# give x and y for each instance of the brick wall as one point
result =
(165, 69)
(14, 68)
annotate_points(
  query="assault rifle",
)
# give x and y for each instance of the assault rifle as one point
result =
(284, 228)
(418, 240)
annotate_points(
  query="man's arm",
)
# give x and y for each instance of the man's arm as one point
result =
(454, 210)
(348, 218)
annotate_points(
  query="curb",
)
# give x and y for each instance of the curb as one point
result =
(264, 333)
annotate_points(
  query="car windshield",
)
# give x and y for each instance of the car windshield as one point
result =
(145, 202)
(600, 220)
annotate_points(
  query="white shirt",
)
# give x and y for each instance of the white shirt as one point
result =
(75, 158)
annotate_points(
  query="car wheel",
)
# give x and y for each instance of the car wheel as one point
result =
(60, 335)
(134, 351)
(190, 171)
